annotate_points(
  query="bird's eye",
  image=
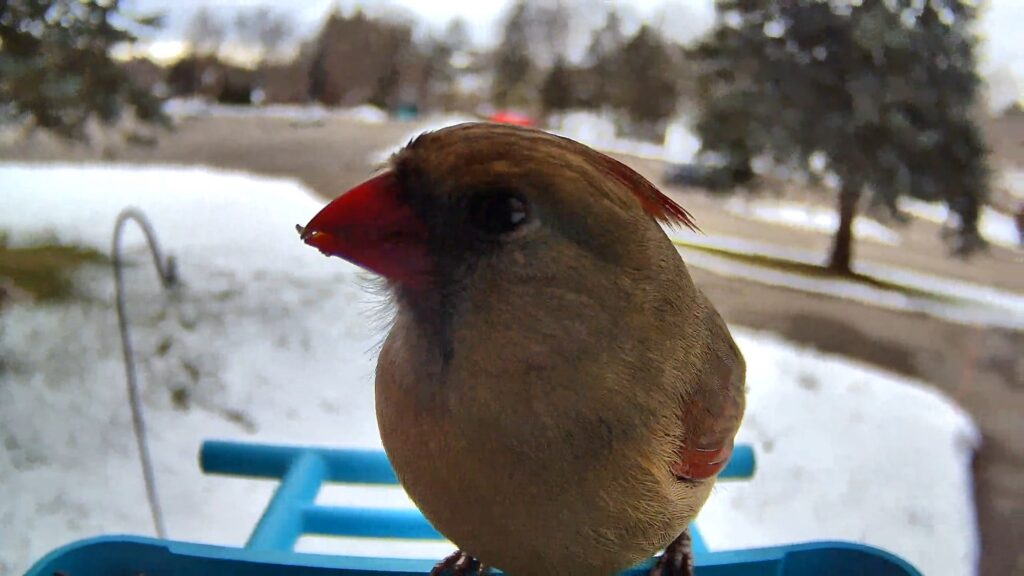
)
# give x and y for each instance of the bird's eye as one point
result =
(499, 212)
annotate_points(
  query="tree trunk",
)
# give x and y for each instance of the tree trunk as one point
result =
(842, 244)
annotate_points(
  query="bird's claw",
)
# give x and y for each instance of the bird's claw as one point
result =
(459, 564)
(677, 559)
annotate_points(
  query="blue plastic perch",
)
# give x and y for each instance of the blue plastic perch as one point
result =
(292, 512)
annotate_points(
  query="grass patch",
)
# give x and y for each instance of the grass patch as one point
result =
(45, 271)
(815, 271)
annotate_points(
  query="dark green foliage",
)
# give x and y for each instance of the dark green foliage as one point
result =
(883, 89)
(647, 88)
(56, 66)
(557, 92)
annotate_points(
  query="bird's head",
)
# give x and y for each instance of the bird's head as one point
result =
(492, 202)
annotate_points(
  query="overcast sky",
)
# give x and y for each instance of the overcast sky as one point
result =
(1000, 26)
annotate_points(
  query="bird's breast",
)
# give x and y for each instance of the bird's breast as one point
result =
(537, 476)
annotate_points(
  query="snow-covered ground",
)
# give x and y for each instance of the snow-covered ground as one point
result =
(181, 108)
(1013, 180)
(959, 301)
(598, 131)
(272, 342)
(594, 130)
(996, 227)
(428, 124)
(810, 217)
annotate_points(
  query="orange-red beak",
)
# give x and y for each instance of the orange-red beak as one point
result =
(372, 227)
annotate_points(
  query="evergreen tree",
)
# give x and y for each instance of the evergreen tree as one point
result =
(882, 88)
(513, 65)
(56, 66)
(601, 83)
(556, 94)
(648, 92)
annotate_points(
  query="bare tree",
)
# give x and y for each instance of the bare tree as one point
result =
(205, 32)
(264, 28)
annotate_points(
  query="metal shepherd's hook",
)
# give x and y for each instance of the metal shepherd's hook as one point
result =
(168, 278)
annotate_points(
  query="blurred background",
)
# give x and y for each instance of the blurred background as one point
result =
(856, 168)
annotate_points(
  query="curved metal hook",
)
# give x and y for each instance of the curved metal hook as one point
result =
(167, 271)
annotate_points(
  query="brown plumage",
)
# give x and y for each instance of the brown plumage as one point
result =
(555, 394)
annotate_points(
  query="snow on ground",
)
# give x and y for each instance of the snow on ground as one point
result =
(848, 452)
(959, 301)
(428, 124)
(598, 131)
(1012, 179)
(996, 227)
(594, 130)
(810, 217)
(274, 343)
(180, 108)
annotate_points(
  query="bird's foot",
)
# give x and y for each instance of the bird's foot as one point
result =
(459, 564)
(677, 559)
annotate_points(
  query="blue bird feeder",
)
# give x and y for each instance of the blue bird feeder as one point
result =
(292, 513)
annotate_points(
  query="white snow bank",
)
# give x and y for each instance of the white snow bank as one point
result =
(598, 131)
(994, 226)
(848, 452)
(810, 217)
(301, 113)
(274, 343)
(594, 130)
(429, 124)
(961, 302)
(1013, 180)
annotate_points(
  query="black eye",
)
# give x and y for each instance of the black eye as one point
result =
(498, 213)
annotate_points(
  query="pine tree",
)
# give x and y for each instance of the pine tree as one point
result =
(513, 65)
(556, 93)
(884, 89)
(56, 66)
(601, 87)
(647, 92)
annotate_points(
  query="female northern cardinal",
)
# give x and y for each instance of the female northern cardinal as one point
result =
(555, 394)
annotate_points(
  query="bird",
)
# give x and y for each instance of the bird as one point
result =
(554, 394)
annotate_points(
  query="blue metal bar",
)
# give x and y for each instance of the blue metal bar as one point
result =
(136, 555)
(353, 466)
(741, 464)
(292, 511)
(349, 466)
(281, 524)
(697, 544)
(368, 523)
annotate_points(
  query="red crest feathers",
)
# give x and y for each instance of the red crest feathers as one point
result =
(654, 202)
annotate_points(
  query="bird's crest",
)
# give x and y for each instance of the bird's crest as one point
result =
(653, 201)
